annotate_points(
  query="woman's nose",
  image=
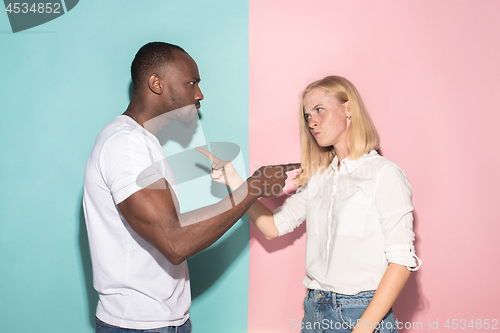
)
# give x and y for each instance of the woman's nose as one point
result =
(312, 122)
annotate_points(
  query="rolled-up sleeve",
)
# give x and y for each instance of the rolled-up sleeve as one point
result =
(393, 195)
(292, 213)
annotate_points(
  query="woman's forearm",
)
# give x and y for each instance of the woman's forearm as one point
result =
(263, 219)
(388, 290)
(260, 215)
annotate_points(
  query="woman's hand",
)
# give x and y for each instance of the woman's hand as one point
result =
(223, 171)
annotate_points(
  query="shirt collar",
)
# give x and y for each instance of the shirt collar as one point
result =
(352, 165)
(332, 166)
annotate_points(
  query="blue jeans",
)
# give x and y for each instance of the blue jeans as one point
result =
(102, 327)
(327, 312)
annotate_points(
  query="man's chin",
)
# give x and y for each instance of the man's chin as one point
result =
(189, 122)
(186, 124)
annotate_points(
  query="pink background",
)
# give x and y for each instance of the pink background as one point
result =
(429, 74)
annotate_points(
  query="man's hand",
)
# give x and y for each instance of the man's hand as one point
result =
(268, 181)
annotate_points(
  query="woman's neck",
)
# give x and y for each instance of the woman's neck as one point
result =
(342, 151)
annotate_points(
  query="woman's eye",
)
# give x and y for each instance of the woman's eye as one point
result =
(319, 109)
(307, 117)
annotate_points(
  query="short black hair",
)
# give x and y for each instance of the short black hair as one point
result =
(151, 56)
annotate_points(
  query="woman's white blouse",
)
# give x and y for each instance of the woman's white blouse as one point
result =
(359, 219)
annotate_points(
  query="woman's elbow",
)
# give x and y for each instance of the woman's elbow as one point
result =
(271, 235)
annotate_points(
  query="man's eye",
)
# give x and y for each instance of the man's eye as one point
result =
(192, 83)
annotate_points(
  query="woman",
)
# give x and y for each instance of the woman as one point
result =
(357, 204)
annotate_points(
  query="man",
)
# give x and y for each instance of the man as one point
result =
(138, 239)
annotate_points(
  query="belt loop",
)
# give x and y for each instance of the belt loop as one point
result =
(334, 298)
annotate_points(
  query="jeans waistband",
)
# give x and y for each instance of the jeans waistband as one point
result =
(334, 298)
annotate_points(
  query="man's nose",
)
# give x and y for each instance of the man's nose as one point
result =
(199, 95)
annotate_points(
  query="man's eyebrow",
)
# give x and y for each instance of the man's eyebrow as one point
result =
(196, 79)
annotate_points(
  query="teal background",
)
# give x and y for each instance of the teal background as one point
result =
(61, 83)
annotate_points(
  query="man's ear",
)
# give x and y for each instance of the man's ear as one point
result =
(155, 85)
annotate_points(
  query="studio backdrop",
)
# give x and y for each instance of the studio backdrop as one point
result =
(428, 73)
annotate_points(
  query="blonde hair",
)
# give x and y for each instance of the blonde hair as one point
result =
(363, 136)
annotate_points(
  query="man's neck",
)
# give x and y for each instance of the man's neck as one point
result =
(144, 112)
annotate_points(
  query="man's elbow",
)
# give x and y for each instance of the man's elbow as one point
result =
(176, 260)
(174, 255)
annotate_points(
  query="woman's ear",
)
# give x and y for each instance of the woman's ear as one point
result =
(347, 108)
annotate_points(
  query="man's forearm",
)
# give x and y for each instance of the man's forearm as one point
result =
(202, 227)
(154, 214)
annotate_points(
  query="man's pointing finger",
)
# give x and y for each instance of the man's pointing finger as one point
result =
(292, 166)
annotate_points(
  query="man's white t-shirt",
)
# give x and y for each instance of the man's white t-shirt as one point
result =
(138, 287)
